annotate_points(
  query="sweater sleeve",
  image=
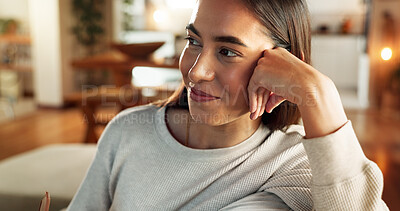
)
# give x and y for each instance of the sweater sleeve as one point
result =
(94, 194)
(342, 177)
(258, 201)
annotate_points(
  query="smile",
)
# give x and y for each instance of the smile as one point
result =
(200, 96)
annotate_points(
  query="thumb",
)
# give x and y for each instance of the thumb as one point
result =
(273, 101)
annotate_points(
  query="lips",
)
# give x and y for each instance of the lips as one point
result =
(200, 96)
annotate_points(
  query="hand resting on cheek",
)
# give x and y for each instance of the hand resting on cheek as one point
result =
(280, 76)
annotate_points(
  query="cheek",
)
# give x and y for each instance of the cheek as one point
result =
(186, 62)
(236, 82)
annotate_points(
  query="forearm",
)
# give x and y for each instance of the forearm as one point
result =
(342, 177)
(321, 108)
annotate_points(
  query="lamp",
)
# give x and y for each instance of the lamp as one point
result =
(160, 16)
(386, 53)
(390, 100)
(175, 4)
(388, 36)
(169, 15)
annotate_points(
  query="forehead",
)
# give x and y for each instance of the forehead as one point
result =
(227, 18)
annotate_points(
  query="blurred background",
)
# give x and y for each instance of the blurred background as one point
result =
(68, 66)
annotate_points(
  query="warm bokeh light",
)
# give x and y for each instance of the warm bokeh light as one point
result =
(179, 4)
(386, 54)
(160, 16)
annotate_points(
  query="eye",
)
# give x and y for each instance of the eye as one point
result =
(192, 41)
(228, 53)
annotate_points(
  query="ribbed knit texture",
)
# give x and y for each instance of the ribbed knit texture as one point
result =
(140, 166)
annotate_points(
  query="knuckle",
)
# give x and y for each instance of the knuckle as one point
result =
(254, 81)
(257, 82)
(267, 52)
(251, 87)
(258, 71)
(262, 61)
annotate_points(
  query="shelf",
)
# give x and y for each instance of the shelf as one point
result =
(21, 40)
(17, 68)
(15, 39)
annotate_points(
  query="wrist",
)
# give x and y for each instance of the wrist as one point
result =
(321, 107)
(312, 86)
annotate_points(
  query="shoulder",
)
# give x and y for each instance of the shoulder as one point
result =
(129, 120)
(291, 135)
(136, 115)
(138, 110)
(286, 146)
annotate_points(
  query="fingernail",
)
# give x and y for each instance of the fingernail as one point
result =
(253, 109)
(252, 116)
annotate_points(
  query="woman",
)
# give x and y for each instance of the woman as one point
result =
(229, 139)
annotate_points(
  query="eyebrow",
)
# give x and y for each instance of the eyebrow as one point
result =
(193, 29)
(227, 39)
(230, 39)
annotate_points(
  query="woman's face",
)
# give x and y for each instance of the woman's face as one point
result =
(225, 41)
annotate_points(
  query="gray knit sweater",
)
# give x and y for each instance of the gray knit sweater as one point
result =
(140, 166)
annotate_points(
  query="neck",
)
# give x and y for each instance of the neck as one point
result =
(204, 136)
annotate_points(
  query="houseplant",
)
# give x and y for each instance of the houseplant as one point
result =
(88, 28)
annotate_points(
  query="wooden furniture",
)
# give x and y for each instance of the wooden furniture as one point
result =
(15, 61)
(93, 99)
(137, 50)
(119, 64)
(14, 64)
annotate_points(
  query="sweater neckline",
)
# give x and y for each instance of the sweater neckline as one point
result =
(166, 138)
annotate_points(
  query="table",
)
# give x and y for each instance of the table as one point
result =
(119, 64)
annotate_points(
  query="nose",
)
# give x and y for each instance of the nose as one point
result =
(202, 69)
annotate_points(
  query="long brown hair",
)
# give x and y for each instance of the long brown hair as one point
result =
(288, 25)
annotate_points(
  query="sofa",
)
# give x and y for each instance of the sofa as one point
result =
(58, 169)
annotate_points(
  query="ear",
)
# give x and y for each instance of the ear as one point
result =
(302, 56)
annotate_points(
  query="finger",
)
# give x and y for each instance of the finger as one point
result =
(278, 48)
(274, 101)
(264, 102)
(252, 93)
(260, 96)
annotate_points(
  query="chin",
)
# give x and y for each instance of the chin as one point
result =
(215, 117)
(209, 117)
